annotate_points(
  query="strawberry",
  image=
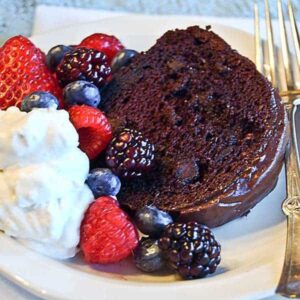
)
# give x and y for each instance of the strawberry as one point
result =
(94, 130)
(105, 43)
(23, 71)
(106, 234)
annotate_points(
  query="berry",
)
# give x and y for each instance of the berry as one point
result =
(187, 170)
(55, 55)
(190, 249)
(129, 154)
(123, 58)
(23, 71)
(105, 43)
(39, 100)
(103, 182)
(106, 234)
(83, 64)
(81, 92)
(148, 256)
(93, 129)
(152, 221)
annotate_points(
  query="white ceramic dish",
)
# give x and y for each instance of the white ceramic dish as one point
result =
(252, 246)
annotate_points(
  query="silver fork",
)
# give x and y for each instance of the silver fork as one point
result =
(289, 284)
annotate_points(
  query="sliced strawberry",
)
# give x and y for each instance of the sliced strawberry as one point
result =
(106, 234)
(94, 130)
(105, 43)
(23, 71)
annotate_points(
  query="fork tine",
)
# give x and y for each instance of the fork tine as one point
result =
(284, 46)
(258, 48)
(295, 33)
(270, 44)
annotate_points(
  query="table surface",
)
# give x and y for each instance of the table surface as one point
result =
(16, 16)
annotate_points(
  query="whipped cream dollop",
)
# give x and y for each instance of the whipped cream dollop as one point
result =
(43, 196)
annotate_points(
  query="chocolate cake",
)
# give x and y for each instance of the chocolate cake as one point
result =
(218, 127)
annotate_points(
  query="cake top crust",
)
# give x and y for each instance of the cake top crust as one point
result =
(215, 121)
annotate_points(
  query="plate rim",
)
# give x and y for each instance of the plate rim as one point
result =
(42, 292)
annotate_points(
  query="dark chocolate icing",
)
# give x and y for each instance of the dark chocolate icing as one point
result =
(218, 126)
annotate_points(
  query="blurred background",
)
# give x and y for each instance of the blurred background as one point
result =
(16, 16)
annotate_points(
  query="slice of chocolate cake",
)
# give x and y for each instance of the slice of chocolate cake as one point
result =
(218, 127)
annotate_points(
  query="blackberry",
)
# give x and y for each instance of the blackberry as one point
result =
(190, 249)
(83, 64)
(129, 154)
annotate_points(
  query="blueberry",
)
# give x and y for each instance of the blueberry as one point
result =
(147, 256)
(123, 58)
(103, 182)
(55, 55)
(81, 92)
(152, 221)
(39, 99)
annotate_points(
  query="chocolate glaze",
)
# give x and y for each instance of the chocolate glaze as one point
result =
(239, 200)
(219, 128)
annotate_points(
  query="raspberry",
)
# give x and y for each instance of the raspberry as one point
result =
(83, 64)
(23, 71)
(129, 154)
(93, 129)
(190, 249)
(106, 234)
(105, 43)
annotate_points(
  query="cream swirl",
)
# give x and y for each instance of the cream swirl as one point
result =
(42, 173)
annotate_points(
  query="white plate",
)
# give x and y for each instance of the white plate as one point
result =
(252, 246)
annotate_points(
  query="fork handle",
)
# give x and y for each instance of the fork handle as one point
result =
(289, 284)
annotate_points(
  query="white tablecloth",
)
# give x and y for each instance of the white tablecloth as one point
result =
(46, 20)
